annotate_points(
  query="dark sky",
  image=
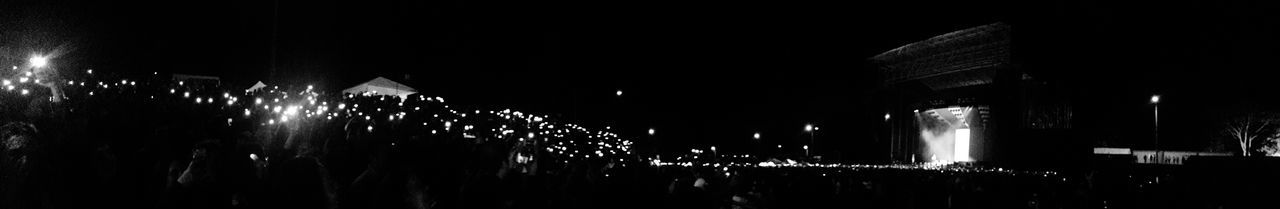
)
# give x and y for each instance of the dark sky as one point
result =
(701, 72)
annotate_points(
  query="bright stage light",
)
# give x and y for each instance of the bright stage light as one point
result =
(961, 153)
(38, 61)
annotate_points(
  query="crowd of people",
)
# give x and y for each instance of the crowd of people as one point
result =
(81, 146)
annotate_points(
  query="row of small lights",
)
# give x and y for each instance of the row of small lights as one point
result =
(308, 104)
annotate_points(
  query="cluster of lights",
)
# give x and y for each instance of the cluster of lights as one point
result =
(541, 135)
(931, 167)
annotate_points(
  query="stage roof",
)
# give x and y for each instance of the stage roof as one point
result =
(961, 58)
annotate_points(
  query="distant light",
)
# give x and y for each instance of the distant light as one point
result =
(886, 116)
(779, 146)
(713, 148)
(619, 93)
(370, 128)
(808, 127)
(24, 92)
(181, 83)
(39, 61)
(186, 94)
(650, 131)
(1155, 99)
(806, 147)
(757, 136)
(90, 71)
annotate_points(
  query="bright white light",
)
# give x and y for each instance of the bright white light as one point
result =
(961, 153)
(806, 147)
(292, 110)
(6, 82)
(246, 112)
(186, 94)
(370, 128)
(342, 106)
(24, 92)
(253, 156)
(650, 131)
(886, 116)
(757, 136)
(808, 127)
(90, 71)
(23, 79)
(1155, 99)
(181, 83)
(713, 148)
(39, 61)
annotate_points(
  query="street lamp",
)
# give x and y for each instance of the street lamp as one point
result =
(756, 136)
(650, 131)
(809, 128)
(1155, 103)
(619, 93)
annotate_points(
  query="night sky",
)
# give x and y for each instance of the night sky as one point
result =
(701, 73)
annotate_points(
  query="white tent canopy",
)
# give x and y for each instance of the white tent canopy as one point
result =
(382, 86)
(256, 87)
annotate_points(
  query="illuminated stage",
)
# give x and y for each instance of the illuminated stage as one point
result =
(968, 101)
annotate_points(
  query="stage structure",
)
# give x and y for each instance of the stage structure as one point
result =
(966, 100)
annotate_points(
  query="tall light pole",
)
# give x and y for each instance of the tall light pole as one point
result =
(658, 148)
(808, 128)
(1155, 102)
